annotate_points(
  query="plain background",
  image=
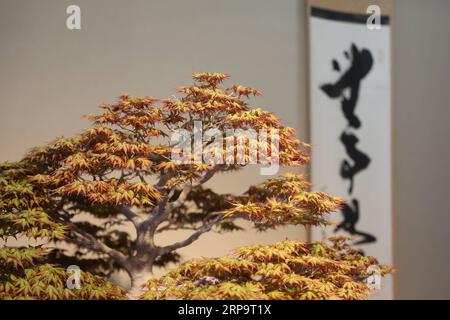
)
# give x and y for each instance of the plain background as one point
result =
(50, 76)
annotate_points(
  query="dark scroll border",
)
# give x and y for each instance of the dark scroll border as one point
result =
(344, 16)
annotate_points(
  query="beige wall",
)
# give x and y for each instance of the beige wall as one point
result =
(49, 76)
(423, 149)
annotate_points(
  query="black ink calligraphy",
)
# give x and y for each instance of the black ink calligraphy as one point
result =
(351, 217)
(361, 63)
(360, 160)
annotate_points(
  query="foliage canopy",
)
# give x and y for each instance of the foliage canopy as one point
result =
(101, 197)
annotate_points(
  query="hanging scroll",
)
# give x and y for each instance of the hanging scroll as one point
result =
(351, 117)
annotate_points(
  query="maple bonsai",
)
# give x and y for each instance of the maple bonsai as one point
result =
(121, 171)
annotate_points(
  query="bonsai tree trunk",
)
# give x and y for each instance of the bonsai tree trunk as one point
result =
(140, 271)
(140, 266)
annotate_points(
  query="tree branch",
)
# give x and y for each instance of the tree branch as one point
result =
(129, 214)
(181, 198)
(146, 228)
(188, 187)
(163, 179)
(162, 210)
(205, 228)
(92, 243)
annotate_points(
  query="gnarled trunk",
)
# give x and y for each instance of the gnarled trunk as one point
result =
(140, 270)
(140, 266)
(138, 279)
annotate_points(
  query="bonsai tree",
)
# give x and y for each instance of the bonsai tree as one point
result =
(128, 170)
